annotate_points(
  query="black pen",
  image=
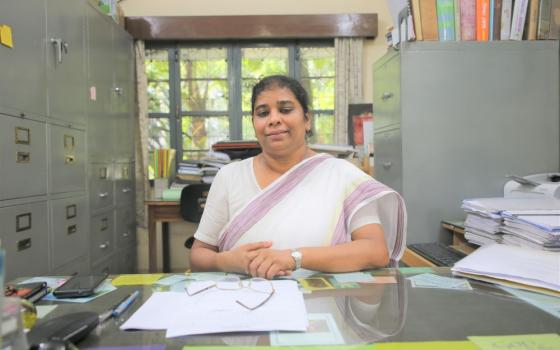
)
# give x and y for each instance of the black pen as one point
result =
(107, 314)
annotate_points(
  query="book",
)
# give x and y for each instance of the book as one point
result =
(491, 20)
(417, 19)
(428, 14)
(532, 19)
(518, 19)
(505, 22)
(554, 32)
(543, 23)
(468, 19)
(482, 19)
(457, 9)
(445, 20)
(497, 20)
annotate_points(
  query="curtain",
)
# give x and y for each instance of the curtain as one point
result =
(348, 85)
(141, 139)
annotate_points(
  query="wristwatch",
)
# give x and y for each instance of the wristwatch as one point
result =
(296, 254)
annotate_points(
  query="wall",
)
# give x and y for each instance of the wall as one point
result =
(373, 49)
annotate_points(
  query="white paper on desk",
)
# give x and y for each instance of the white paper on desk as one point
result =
(523, 265)
(215, 311)
(158, 312)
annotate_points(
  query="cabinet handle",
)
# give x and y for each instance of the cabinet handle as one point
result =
(118, 90)
(72, 229)
(387, 165)
(24, 244)
(104, 195)
(125, 234)
(104, 245)
(386, 95)
(57, 43)
(126, 190)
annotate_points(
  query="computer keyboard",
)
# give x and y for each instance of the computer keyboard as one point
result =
(439, 254)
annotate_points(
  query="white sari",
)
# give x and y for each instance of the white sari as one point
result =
(312, 205)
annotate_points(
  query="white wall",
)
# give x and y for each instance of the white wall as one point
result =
(373, 49)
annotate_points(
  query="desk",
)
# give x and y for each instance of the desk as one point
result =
(164, 212)
(371, 313)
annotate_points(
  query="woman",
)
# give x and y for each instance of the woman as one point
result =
(290, 207)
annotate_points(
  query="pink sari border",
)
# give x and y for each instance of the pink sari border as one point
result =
(364, 191)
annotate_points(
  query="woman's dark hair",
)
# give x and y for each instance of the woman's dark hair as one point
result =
(281, 81)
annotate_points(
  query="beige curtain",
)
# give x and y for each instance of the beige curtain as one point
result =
(348, 88)
(141, 147)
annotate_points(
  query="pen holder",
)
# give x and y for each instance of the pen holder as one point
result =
(160, 184)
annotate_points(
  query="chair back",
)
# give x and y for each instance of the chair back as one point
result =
(193, 199)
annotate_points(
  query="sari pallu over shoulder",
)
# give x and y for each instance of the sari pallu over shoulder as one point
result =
(350, 191)
(259, 206)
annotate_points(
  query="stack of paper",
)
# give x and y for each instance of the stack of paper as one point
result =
(538, 229)
(483, 222)
(491, 220)
(525, 267)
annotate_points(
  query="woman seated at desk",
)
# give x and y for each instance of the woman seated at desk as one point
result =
(290, 207)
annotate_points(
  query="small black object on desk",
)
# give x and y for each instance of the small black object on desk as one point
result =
(68, 328)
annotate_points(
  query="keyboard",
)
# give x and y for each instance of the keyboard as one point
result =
(439, 254)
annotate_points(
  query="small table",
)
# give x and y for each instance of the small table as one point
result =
(165, 212)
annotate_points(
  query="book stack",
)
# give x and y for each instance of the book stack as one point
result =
(485, 20)
(203, 170)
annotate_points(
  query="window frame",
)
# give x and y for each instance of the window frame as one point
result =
(235, 113)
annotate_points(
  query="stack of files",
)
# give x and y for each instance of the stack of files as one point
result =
(516, 267)
(539, 229)
(483, 222)
(485, 219)
(189, 170)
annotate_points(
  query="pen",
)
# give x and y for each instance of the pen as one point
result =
(125, 304)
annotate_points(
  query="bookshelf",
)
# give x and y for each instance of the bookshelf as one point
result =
(453, 118)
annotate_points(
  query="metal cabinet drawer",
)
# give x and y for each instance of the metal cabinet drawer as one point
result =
(66, 78)
(387, 93)
(127, 260)
(24, 236)
(78, 266)
(68, 170)
(23, 155)
(102, 242)
(70, 232)
(23, 87)
(101, 187)
(388, 158)
(124, 191)
(106, 266)
(125, 226)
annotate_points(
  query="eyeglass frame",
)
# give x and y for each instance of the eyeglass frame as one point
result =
(241, 286)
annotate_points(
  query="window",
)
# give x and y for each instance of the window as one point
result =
(201, 94)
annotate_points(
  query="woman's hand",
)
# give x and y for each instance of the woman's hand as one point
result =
(268, 263)
(238, 259)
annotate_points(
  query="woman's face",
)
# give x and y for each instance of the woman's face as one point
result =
(279, 121)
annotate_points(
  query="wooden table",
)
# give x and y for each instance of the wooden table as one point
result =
(164, 212)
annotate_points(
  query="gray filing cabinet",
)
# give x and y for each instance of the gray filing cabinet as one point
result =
(453, 118)
(24, 236)
(66, 121)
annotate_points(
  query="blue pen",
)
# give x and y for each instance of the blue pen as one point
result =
(125, 304)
